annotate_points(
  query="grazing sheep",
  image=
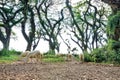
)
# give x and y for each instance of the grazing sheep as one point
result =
(24, 54)
(81, 56)
(69, 57)
(35, 55)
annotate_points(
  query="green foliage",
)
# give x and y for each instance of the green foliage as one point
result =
(51, 52)
(88, 57)
(109, 55)
(114, 51)
(103, 55)
(115, 45)
(8, 56)
(5, 52)
(99, 55)
(52, 58)
(110, 43)
(113, 21)
(9, 59)
(117, 57)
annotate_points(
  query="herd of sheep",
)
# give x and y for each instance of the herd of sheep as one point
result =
(37, 56)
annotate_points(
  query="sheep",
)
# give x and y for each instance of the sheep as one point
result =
(24, 54)
(35, 54)
(69, 57)
(81, 57)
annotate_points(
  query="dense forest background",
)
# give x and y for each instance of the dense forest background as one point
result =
(93, 25)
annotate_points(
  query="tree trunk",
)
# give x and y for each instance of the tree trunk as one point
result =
(7, 39)
(29, 46)
(51, 46)
(30, 37)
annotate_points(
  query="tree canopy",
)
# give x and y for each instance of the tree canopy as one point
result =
(85, 22)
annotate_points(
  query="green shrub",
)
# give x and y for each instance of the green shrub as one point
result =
(88, 57)
(110, 54)
(51, 52)
(105, 55)
(113, 22)
(9, 59)
(5, 52)
(15, 52)
(99, 55)
(117, 57)
(113, 51)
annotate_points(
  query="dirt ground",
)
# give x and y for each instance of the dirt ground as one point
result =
(58, 71)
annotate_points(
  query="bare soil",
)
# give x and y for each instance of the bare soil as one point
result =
(58, 71)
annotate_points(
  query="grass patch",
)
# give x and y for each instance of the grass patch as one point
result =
(53, 58)
(9, 59)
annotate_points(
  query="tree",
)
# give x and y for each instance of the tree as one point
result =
(114, 22)
(115, 5)
(9, 18)
(50, 26)
(87, 25)
(30, 23)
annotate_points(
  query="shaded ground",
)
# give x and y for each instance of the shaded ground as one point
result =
(59, 71)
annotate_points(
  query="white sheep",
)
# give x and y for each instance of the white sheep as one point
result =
(81, 57)
(35, 55)
(69, 57)
(24, 54)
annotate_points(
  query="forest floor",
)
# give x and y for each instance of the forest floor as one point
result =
(59, 71)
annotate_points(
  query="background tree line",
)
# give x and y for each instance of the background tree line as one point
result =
(84, 22)
(86, 25)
